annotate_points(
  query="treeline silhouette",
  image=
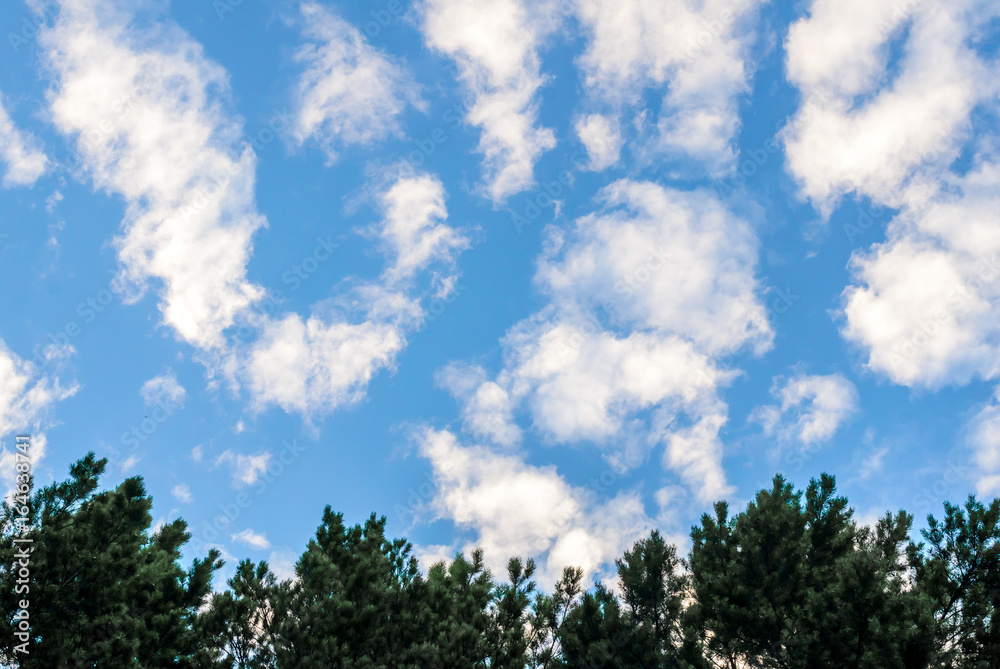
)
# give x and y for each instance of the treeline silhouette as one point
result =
(790, 582)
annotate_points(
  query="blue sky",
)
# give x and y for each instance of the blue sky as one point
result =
(535, 276)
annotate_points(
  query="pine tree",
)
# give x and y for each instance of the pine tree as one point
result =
(451, 607)
(351, 605)
(790, 586)
(549, 615)
(104, 592)
(239, 626)
(508, 634)
(959, 572)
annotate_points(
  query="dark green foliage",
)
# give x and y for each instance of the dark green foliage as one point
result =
(452, 609)
(550, 615)
(508, 637)
(791, 582)
(104, 592)
(240, 624)
(351, 605)
(645, 627)
(959, 572)
(788, 585)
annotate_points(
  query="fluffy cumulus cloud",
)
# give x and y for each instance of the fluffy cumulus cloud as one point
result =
(694, 52)
(252, 539)
(495, 47)
(602, 138)
(865, 129)
(314, 365)
(926, 303)
(414, 232)
(182, 492)
(812, 408)
(349, 92)
(317, 363)
(984, 439)
(27, 396)
(23, 161)
(487, 410)
(646, 296)
(245, 469)
(923, 304)
(163, 389)
(152, 124)
(516, 509)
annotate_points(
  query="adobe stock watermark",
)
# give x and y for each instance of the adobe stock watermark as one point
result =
(754, 160)
(21, 566)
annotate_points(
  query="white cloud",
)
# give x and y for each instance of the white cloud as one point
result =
(19, 151)
(984, 439)
(663, 259)
(646, 296)
(152, 123)
(163, 389)
(495, 46)
(922, 304)
(197, 453)
(182, 492)
(414, 231)
(245, 469)
(282, 563)
(603, 139)
(860, 129)
(926, 303)
(27, 397)
(812, 408)
(316, 364)
(129, 463)
(487, 411)
(350, 92)
(695, 52)
(251, 538)
(515, 509)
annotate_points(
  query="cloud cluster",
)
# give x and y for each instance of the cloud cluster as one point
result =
(923, 304)
(314, 364)
(877, 131)
(349, 92)
(646, 297)
(152, 122)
